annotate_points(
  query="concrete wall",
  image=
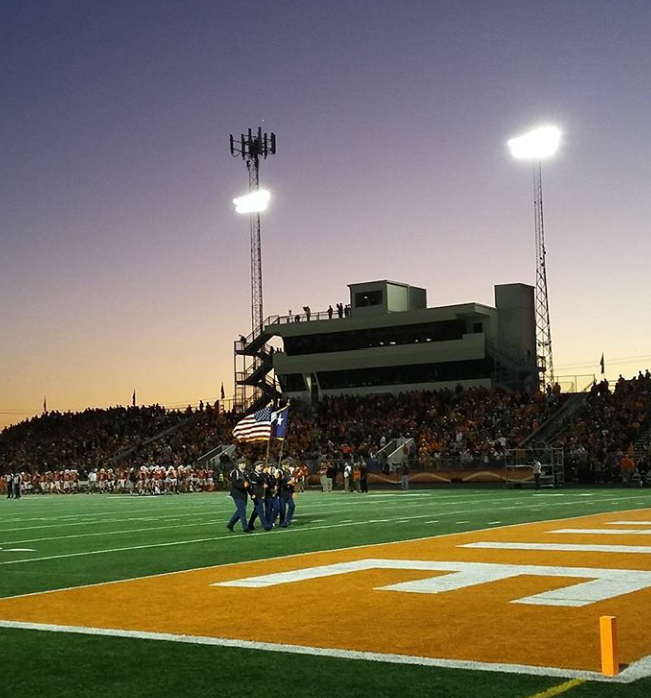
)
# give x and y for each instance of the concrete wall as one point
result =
(394, 389)
(516, 320)
(472, 346)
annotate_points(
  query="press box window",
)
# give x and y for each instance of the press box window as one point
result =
(292, 382)
(368, 298)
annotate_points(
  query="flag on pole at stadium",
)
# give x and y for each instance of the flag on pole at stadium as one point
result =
(255, 427)
(280, 422)
(603, 365)
(133, 398)
(223, 394)
(45, 405)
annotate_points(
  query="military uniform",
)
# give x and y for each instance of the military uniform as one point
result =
(272, 501)
(259, 485)
(287, 506)
(240, 486)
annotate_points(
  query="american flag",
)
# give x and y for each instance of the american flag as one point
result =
(255, 427)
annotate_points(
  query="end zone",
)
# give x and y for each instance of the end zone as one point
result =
(478, 600)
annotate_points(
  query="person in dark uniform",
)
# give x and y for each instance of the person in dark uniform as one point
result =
(240, 487)
(259, 486)
(272, 499)
(9, 479)
(287, 506)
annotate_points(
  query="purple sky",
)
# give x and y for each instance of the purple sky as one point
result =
(123, 265)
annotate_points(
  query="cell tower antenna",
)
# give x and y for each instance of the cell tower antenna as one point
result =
(252, 147)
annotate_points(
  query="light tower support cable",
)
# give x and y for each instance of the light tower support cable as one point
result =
(543, 324)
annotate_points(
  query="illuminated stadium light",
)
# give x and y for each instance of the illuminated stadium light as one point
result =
(252, 203)
(540, 143)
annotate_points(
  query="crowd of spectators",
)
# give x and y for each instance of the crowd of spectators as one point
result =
(466, 426)
(95, 438)
(446, 429)
(612, 423)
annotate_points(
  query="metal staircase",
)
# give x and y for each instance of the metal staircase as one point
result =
(255, 385)
(557, 423)
(512, 369)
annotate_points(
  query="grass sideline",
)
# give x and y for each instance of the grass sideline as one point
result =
(75, 540)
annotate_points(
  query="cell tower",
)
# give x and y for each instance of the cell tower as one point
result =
(252, 147)
(543, 325)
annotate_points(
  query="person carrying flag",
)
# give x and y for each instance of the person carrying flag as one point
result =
(271, 501)
(259, 486)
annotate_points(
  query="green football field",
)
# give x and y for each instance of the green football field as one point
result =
(57, 542)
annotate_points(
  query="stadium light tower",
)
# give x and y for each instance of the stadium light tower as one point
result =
(253, 147)
(536, 146)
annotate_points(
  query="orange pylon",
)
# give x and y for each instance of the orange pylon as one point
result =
(608, 632)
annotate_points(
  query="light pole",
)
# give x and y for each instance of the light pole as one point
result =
(536, 146)
(252, 147)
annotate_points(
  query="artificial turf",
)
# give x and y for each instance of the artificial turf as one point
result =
(80, 539)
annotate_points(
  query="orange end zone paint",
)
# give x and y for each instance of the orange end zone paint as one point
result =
(398, 599)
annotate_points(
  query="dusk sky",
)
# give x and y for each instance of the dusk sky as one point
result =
(123, 264)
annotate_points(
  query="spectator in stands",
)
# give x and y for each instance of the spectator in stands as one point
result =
(626, 468)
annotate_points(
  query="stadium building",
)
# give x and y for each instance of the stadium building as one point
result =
(388, 340)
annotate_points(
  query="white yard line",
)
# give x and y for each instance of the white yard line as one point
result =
(606, 531)
(230, 536)
(90, 522)
(560, 547)
(307, 511)
(278, 557)
(635, 671)
(113, 533)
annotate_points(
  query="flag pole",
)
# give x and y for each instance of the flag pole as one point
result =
(266, 458)
(272, 418)
(280, 455)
